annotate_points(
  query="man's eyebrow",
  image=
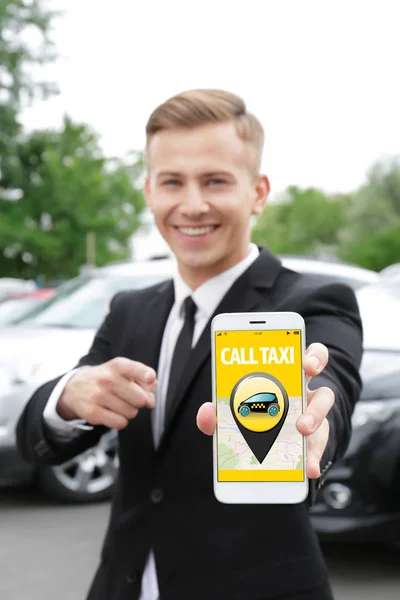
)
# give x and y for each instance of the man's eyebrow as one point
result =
(168, 173)
(207, 174)
(214, 173)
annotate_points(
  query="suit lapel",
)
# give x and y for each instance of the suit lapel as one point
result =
(154, 317)
(147, 347)
(248, 293)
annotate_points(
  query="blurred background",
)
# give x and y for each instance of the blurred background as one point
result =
(78, 80)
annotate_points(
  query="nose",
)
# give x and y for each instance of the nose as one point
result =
(193, 201)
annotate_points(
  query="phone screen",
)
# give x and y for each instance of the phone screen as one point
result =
(259, 380)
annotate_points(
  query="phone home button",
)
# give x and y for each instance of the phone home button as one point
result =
(157, 495)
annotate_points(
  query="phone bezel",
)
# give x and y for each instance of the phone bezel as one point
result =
(260, 492)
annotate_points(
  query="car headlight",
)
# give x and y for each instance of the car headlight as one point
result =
(377, 411)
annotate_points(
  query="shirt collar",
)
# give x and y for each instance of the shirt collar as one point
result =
(208, 295)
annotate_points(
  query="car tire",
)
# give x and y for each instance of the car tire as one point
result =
(89, 477)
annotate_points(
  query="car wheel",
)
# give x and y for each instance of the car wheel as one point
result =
(244, 411)
(89, 477)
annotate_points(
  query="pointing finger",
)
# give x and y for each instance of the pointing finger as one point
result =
(134, 370)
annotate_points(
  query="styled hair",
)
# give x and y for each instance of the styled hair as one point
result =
(193, 108)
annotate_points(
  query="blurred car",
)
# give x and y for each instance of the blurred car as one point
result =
(51, 341)
(352, 275)
(19, 305)
(11, 285)
(391, 272)
(360, 499)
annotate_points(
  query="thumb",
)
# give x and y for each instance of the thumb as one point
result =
(206, 418)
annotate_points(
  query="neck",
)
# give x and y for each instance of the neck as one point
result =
(195, 277)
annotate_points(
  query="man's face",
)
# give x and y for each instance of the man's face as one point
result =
(202, 193)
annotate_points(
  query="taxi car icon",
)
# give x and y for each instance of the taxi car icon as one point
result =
(264, 402)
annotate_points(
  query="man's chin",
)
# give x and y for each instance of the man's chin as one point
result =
(204, 266)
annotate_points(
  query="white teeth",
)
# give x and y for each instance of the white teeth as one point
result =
(196, 230)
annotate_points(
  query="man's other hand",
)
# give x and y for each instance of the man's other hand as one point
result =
(109, 394)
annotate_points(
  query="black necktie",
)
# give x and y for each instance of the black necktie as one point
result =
(181, 352)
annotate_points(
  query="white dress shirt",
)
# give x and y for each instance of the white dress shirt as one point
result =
(206, 297)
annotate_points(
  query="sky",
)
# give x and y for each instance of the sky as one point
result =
(321, 76)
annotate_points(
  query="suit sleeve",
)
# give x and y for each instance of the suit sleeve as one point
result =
(36, 441)
(332, 318)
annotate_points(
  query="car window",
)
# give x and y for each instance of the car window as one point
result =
(13, 309)
(84, 303)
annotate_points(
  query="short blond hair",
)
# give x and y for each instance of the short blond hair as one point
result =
(200, 107)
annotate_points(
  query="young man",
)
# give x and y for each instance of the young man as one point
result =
(168, 537)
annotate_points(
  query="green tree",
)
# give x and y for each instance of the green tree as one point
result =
(373, 225)
(21, 21)
(376, 250)
(65, 189)
(301, 222)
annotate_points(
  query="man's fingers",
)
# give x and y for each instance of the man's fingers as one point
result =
(316, 445)
(133, 370)
(111, 403)
(320, 404)
(127, 390)
(132, 393)
(206, 418)
(315, 360)
(97, 415)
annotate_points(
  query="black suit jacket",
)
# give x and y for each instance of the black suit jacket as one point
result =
(164, 499)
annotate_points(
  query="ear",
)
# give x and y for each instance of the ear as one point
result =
(147, 192)
(262, 189)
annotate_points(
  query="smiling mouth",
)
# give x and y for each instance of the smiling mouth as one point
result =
(197, 231)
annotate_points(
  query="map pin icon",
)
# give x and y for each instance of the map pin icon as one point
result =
(259, 405)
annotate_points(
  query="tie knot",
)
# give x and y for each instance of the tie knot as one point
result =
(189, 307)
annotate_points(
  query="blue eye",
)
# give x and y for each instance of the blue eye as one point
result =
(171, 182)
(216, 181)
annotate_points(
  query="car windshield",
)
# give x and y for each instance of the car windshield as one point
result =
(82, 303)
(262, 397)
(380, 312)
(15, 308)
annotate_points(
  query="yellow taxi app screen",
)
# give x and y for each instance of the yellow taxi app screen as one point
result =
(259, 399)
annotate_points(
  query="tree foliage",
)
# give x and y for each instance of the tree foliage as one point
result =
(372, 235)
(301, 222)
(65, 189)
(55, 186)
(21, 22)
(362, 227)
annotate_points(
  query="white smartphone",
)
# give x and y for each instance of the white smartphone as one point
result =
(259, 391)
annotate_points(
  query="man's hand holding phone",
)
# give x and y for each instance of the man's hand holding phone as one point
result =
(109, 394)
(312, 423)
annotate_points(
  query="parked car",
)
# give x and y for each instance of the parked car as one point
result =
(12, 285)
(51, 341)
(352, 275)
(391, 272)
(19, 305)
(360, 499)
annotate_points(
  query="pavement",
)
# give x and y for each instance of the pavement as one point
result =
(50, 551)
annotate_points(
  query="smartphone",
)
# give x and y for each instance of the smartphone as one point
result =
(259, 391)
